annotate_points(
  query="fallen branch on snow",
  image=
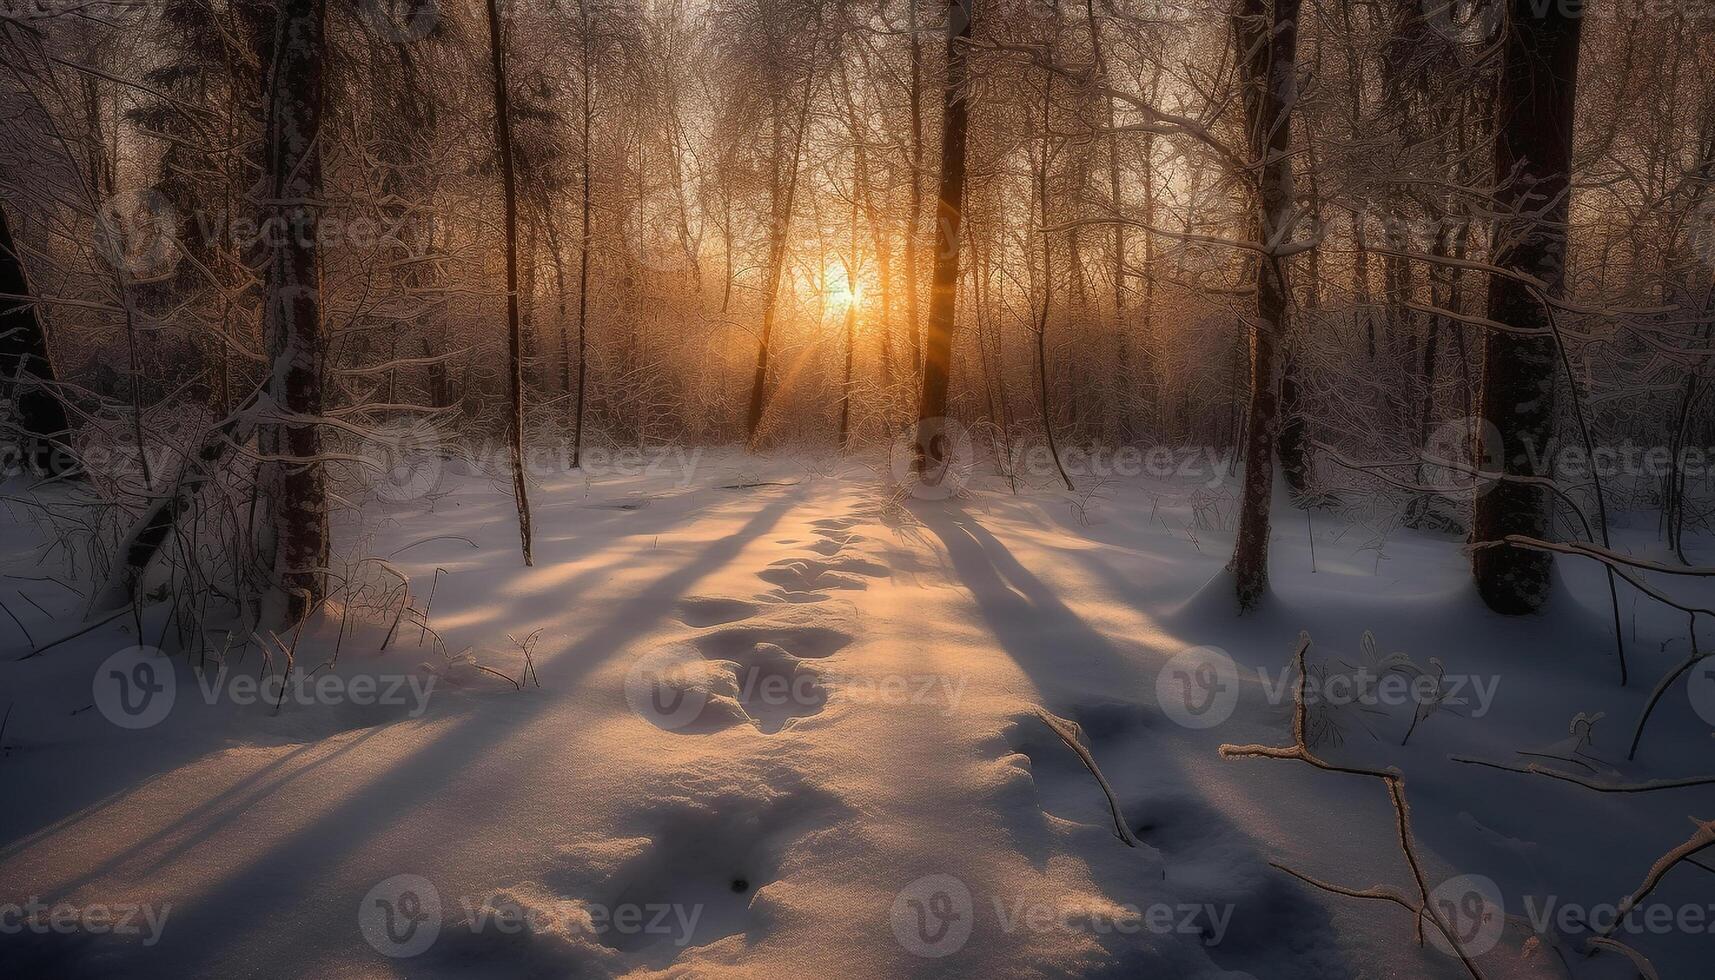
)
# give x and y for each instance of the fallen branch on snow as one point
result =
(1300, 750)
(1068, 733)
(1532, 769)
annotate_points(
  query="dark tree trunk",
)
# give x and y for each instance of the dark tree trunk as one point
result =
(440, 395)
(514, 333)
(846, 383)
(1296, 464)
(584, 244)
(292, 315)
(27, 370)
(1294, 440)
(949, 210)
(149, 532)
(1533, 165)
(1267, 42)
(1047, 283)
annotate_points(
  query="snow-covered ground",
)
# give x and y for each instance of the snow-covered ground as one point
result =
(791, 730)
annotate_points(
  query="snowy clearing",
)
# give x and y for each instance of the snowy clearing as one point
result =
(792, 730)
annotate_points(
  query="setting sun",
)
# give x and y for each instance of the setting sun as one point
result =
(841, 295)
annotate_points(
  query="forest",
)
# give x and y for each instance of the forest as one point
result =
(875, 488)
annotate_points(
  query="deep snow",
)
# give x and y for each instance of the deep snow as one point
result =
(790, 730)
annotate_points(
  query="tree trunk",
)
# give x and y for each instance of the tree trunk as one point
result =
(781, 224)
(514, 335)
(846, 383)
(1122, 356)
(1047, 282)
(1267, 43)
(27, 370)
(883, 250)
(1296, 465)
(949, 208)
(583, 246)
(294, 480)
(913, 319)
(1533, 168)
(149, 532)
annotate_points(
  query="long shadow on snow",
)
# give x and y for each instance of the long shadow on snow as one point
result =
(1040, 633)
(256, 896)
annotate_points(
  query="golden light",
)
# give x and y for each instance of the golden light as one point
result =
(845, 295)
(837, 292)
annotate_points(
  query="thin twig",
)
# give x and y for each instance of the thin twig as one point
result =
(1068, 733)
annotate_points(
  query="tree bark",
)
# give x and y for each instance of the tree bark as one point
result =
(913, 317)
(514, 334)
(1122, 349)
(1267, 43)
(949, 209)
(149, 532)
(1047, 282)
(1296, 465)
(27, 370)
(294, 480)
(1533, 169)
(584, 244)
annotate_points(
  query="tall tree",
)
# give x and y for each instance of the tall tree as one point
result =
(1266, 39)
(1043, 311)
(588, 67)
(783, 192)
(27, 368)
(914, 323)
(514, 332)
(931, 445)
(296, 542)
(1122, 356)
(1533, 177)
